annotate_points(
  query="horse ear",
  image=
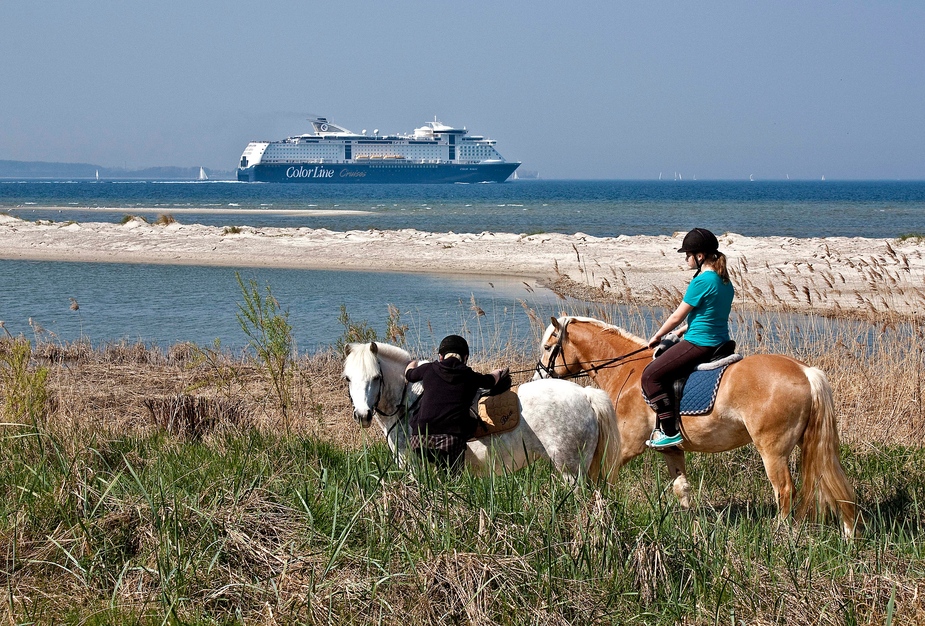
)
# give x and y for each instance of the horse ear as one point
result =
(555, 323)
(348, 349)
(373, 348)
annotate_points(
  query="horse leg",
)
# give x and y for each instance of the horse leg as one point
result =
(674, 458)
(778, 472)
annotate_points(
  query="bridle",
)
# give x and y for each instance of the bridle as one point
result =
(593, 366)
(401, 408)
(401, 403)
(550, 368)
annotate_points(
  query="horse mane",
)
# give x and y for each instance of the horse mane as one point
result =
(605, 327)
(393, 353)
(360, 356)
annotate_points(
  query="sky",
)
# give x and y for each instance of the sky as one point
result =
(574, 90)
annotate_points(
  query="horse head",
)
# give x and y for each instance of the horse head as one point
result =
(364, 380)
(573, 346)
(555, 362)
(375, 377)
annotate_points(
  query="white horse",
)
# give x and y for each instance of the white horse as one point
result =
(573, 427)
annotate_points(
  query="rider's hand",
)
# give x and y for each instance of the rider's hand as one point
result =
(654, 341)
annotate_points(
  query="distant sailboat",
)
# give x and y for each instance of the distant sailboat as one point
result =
(97, 174)
(751, 177)
(823, 177)
(202, 174)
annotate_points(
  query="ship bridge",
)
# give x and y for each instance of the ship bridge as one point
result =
(430, 130)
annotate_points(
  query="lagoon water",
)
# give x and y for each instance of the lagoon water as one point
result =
(167, 304)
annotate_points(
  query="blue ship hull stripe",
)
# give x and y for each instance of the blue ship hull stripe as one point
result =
(403, 173)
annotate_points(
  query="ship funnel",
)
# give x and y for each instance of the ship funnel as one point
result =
(323, 127)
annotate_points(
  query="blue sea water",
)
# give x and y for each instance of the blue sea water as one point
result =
(600, 208)
(167, 304)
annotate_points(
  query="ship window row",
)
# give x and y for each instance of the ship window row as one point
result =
(385, 166)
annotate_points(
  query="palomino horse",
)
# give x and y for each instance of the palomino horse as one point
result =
(772, 400)
(573, 427)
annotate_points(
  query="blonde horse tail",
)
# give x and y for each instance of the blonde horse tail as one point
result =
(825, 485)
(605, 464)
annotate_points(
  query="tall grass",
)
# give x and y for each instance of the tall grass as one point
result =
(258, 527)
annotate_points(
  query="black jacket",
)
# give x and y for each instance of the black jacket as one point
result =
(449, 389)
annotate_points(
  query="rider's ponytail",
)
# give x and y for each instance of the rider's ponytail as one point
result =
(718, 261)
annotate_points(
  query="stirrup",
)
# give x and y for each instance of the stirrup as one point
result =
(660, 440)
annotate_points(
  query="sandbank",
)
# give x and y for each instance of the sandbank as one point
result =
(809, 273)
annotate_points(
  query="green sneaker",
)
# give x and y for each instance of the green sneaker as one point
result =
(660, 440)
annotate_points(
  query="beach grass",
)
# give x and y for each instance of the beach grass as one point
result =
(150, 486)
(256, 527)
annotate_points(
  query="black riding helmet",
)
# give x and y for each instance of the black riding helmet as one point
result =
(454, 344)
(699, 240)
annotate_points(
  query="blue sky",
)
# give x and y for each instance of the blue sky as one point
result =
(712, 89)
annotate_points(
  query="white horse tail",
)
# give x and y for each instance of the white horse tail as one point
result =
(825, 485)
(605, 464)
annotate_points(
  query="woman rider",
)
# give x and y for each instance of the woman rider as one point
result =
(706, 305)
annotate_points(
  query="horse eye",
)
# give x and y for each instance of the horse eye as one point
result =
(377, 377)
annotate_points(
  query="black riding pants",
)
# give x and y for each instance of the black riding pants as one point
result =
(679, 360)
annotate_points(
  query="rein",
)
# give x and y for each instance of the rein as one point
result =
(594, 366)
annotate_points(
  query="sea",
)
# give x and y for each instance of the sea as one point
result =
(162, 305)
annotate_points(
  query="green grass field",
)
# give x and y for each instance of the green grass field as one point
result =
(261, 528)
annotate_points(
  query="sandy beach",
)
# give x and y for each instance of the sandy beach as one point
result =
(818, 273)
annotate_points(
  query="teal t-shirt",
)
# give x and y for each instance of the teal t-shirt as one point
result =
(708, 323)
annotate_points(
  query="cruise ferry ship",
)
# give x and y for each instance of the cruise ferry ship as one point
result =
(435, 153)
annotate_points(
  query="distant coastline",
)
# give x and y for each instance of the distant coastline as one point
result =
(40, 170)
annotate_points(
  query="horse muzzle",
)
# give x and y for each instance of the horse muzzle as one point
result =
(363, 418)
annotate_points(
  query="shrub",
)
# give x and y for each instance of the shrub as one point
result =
(270, 335)
(25, 390)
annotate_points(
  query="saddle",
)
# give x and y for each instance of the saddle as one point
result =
(695, 394)
(496, 414)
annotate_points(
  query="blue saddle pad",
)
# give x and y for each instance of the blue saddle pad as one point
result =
(700, 391)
